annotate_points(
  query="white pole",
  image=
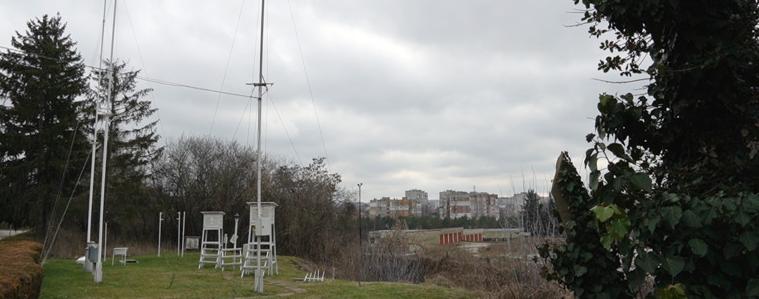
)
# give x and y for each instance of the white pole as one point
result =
(105, 243)
(179, 233)
(234, 237)
(160, 219)
(259, 278)
(184, 230)
(106, 122)
(88, 262)
(360, 246)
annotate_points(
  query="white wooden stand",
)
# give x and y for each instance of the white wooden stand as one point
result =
(232, 257)
(211, 244)
(261, 239)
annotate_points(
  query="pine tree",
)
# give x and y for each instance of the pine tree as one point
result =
(39, 85)
(132, 144)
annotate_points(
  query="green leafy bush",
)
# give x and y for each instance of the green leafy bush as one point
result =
(677, 202)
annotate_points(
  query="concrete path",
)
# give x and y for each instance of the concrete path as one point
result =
(4, 233)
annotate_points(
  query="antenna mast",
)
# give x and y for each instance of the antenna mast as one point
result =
(88, 262)
(261, 85)
(106, 124)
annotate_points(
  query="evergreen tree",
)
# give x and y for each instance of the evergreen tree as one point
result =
(132, 144)
(39, 124)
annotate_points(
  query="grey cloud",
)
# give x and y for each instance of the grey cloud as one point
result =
(410, 94)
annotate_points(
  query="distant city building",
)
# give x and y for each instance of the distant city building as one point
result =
(416, 194)
(393, 207)
(457, 204)
(512, 206)
(452, 204)
(422, 201)
(433, 205)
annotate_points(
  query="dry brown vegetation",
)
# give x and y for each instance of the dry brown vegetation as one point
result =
(501, 270)
(498, 277)
(20, 271)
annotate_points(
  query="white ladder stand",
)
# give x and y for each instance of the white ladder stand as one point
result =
(268, 258)
(211, 248)
(265, 236)
(231, 257)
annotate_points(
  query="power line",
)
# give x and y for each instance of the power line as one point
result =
(287, 133)
(244, 110)
(226, 67)
(60, 186)
(218, 91)
(134, 35)
(65, 210)
(152, 80)
(308, 79)
(175, 84)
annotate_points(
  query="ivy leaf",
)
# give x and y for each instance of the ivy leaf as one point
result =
(651, 223)
(743, 218)
(690, 219)
(750, 240)
(674, 265)
(671, 215)
(674, 291)
(647, 261)
(580, 270)
(605, 103)
(606, 241)
(635, 280)
(602, 213)
(593, 179)
(641, 181)
(752, 288)
(618, 150)
(590, 137)
(593, 162)
(697, 246)
(588, 154)
(619, 228)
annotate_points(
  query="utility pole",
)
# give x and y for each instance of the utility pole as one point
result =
(259, 275)
(160, 220)
(106, 129)
(360, 242)
(88, 263)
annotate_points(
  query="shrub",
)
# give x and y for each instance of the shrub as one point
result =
(20, 271)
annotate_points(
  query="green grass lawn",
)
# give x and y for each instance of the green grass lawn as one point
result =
(174, 277)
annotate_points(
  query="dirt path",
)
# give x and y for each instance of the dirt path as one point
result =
(291, 286)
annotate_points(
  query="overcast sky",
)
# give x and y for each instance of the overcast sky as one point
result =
(432, 95)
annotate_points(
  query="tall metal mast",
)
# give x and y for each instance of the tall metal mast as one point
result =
(88, 263)
(259, 278)
(106, 127)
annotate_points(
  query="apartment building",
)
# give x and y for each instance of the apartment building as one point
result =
(457, 204)
(393, 207)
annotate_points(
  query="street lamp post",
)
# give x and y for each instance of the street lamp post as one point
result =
(360, 243)
(234, 236)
